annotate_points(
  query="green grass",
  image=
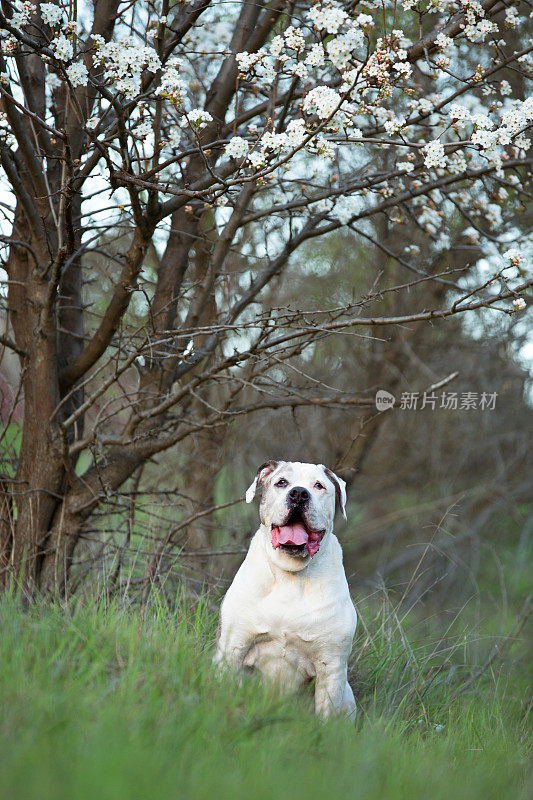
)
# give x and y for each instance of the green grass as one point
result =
(101, 701)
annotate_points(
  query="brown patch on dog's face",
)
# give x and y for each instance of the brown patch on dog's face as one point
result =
(336, 484)
(265, 470)
(261, 475)
(340, 489)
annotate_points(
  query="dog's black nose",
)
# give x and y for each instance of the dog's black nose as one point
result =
(298, 494)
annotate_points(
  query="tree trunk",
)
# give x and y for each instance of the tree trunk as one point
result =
(202, 454)
(39, 479)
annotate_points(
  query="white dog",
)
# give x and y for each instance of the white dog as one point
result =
(288, 612)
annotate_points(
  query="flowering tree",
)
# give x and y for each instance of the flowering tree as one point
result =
(183, 153)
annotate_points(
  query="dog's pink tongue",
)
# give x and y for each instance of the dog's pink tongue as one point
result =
(289, 534)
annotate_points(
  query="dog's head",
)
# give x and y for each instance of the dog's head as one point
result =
(297, 508)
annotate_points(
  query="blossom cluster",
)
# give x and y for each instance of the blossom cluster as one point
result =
(51, 13)
(322, 100)
(77, 74)
(6, 136)
(124, 62)
(489, 136)
(271, 144)
(62, 48)
(434, 155)
(198, 118)
(21, 18)
(172, 85)
(237, 147)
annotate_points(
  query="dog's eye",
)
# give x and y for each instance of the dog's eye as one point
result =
(281, 483)
(318, 485)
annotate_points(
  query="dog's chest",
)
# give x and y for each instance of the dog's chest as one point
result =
(294, 608)
(283, 658)
(291, 626)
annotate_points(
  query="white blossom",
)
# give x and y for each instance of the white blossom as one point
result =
(443, 242)
(296, 132)
(247, 61)
(494, 215)
(299, 69)
(327, 18)
(143, 129)
(199, 118)
(174, 138)
(519, 303)
(266, 71)
(393, 125)
(403, 68)
(341, 48)
(481, 121)
(434, 155)
(6, 137)
(294, 38)
(172, 85)
(9, 42)
(324, 148)
(424, 105)
(505, 88)
(401, 39)
(321, 206)
(321, 100)
(237, 147)
(443, 42)
(514, 256)
(52, 81)
(429, 219)
(51, 13)
(459, 114)
(21, 18)
(364, 21)
(124, 63)
(257, 159)
(484, 138)
(315, 57)
(522, 142)
(457, 164)
(276, 46)
(275, 142)
(77, 74)
(62, 47)
(346, 207)
(471, 235)
(480, 31)
(512, 20)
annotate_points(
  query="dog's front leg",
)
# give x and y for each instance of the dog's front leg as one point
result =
(330, 686)
(233, 643)
(232, 654)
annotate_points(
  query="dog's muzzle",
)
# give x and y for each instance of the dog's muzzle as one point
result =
(295, 536)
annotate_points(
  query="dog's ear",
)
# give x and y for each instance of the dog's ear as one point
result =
(262, 473)
(340, 489)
